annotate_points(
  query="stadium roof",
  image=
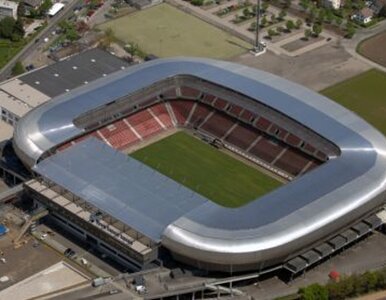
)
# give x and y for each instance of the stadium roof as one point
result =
(278, 224)
(119, 185)
(73, 72)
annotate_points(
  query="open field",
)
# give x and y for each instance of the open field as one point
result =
(166, 31)
(365, 95)
(206, 170)
(374, 48)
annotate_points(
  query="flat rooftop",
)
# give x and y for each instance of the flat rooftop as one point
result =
(120, 186)
(73, 72)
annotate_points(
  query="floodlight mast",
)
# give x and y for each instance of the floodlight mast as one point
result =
(258, 46)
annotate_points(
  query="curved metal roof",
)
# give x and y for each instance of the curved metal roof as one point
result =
(293, 216)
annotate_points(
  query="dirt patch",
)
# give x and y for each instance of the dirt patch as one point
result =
(374, 48)
(300, 43)
(332, 63)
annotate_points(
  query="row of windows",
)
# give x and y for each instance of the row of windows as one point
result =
(8, 117)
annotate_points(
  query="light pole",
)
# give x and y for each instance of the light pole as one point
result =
(258, 46)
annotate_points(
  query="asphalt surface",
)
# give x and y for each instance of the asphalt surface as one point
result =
(5, 72)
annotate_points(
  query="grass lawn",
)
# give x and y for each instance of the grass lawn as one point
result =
(204, 169)
(8, 50)
(166, 31)
(364, 94)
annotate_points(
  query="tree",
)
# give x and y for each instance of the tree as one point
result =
(93, 4)
(350, 30)
(69, 30)
(21, 9)
(298, 23)
(108, 38)
(312, 15)
(44, 7)
(197, 2)
(287, 3)
(18, 69)
(382, 12)
(273, 18)
(338, 21)
(265, 6)
(18, 28)
(290, 25)
(246, 12)
(282, 14)
(321, 15)
(264, 21)
(307, 33)
(271, 33)
(305, 4)
(7, 27)
(279, 29)
(317, 29)
(329, 16)
(314, 292)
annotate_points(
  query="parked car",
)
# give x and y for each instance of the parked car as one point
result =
(69, 253)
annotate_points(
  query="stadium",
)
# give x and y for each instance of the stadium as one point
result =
(328, 166)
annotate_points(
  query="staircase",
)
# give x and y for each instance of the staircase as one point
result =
(30, 222)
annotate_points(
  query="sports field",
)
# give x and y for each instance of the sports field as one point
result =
(364, 94)
(206, 170)
(166, 31)
(374, 48)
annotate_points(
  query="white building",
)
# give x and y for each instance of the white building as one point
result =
(8, 9)
(57, 7)
(335, 4)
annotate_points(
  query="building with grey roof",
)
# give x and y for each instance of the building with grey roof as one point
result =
(19, 95)
(282, 226)
(8, 9)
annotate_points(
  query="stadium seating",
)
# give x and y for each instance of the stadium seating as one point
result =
(144, 124)
(181, 109)
(293, 140)
(218, 124)
(209, 99)
(199, 115)
(162, 114)
(267, 149)
(263, 124)
(247, 116)
(242, 136)
(264, 140)
(292, 161)
(235, 110)
(220, 104)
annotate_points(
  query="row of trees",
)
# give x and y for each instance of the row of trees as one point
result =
(11, 29)
(289, 25)
(69, 30)
(346, 287)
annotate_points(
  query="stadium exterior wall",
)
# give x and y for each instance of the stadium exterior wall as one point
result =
(268, 230)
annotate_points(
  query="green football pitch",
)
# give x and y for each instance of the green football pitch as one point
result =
(165, 31)
(206, 170)
(365, 95)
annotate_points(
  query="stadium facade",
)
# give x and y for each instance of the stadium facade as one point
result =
(346, 160)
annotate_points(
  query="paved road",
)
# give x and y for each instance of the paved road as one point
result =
(350, 45)
(32, 45)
